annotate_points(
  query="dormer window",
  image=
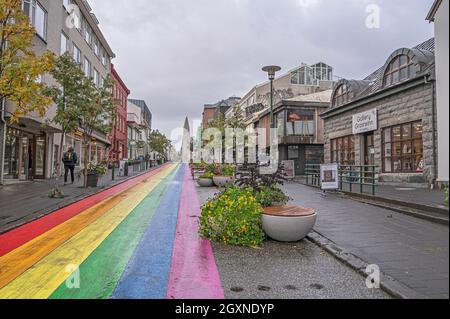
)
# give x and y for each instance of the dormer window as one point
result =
(341, 95)
(400, 69)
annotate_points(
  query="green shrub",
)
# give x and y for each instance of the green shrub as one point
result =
(446, 196)
(233, 217)
(269, 195)
(207, 175)
(228, 170)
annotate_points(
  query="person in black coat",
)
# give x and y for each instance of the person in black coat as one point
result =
(70, 160)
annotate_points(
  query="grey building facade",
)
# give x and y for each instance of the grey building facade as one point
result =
(388, 119)
(31, 146)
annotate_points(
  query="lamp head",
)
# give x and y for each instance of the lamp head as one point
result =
(271, 70)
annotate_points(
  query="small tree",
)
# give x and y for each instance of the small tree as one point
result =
(69, 100)
(159, 143)
(20, 68)
(95, 113)
(237, 120)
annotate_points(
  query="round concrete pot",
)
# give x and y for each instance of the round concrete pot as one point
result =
(288, 227)
(205, 182)
(221, 181)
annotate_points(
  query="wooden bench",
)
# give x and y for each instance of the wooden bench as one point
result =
(289, 211)
(197, 170)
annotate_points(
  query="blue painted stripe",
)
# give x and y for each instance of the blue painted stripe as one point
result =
(147, 273)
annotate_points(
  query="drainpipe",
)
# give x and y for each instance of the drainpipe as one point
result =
(2, 138)
(433, 114)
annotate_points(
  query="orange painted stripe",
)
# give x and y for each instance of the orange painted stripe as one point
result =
(22, 258)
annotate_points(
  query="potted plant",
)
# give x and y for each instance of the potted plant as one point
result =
(206, 180)
(94, 172)
(280, 222)
(225, 176)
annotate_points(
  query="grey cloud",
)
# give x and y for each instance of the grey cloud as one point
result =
(181, 54)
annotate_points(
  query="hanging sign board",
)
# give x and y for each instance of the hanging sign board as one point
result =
(329, 176)
(365, 122)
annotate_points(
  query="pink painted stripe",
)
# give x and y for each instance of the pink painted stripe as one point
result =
(193, 273)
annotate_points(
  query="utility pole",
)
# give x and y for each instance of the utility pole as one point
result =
(2, 138)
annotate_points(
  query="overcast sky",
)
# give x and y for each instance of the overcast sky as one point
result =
(178, 55)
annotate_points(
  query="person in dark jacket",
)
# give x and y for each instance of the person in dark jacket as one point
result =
(70, 160)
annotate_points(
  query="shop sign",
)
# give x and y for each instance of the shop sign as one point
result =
(365, 122)
(329, 176)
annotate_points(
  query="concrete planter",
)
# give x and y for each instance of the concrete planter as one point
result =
(221, 181)
(288, 223)
(205, 182)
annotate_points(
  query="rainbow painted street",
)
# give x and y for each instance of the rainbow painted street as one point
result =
(137, 240)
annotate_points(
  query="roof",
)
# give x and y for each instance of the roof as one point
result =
(424, 53)
(320, 97)
(433, 10)
(118, 78)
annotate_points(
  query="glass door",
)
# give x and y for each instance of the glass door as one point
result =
(39, 161)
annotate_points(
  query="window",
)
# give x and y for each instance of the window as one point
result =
(37, 16)
(104, 56)
(87, 67)
(399, 70)
(280, 124)
(87, 32)
(76, 54)
(300, 122)
(97, 78)
(96, 47)
(341, 95)
(64, 44)
(403, 148)
(343, 150)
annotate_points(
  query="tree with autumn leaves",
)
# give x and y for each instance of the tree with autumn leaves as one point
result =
(21, 70)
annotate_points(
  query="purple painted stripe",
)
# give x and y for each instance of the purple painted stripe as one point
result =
(193, 273)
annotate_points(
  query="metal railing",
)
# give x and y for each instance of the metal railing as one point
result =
(353, 176)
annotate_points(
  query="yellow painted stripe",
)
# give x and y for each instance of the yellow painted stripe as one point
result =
(39, 281)
(22, 258)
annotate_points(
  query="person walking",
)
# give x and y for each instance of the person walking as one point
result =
(70, 159)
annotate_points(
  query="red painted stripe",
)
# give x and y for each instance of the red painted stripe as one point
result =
(23, 234)
(194, 273)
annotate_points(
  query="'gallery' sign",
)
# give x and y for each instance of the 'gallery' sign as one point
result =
(365, 122)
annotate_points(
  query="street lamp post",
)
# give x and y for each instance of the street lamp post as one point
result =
(271, 70)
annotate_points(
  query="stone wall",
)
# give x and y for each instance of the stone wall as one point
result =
(410, 105)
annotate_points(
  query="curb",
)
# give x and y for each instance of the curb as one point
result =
(44, 212)
(388, 284)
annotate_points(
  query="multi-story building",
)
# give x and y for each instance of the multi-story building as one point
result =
(213, 111)
(388, 119)
(31, 147)
(439, 15)
(299, 128)
(119, 150)
(303, 80)
(139, 120)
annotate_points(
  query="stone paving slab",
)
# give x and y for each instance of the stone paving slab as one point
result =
(286, 271)
(399, 244)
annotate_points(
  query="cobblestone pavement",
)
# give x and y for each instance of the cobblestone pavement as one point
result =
(413, 251)
(288, 271)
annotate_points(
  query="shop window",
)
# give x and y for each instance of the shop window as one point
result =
(280, 124)
(300, 122)
(403, 148)
(343, 150)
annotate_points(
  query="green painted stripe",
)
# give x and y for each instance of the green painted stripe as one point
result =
(101, 271)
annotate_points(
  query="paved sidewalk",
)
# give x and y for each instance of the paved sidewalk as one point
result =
(407, 194)
(411, 250)
(286, 271)
(24, 201)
